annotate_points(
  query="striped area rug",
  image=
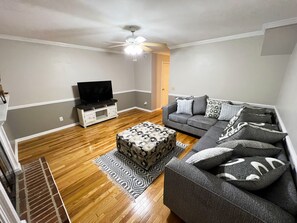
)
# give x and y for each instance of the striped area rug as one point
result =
(128, 175)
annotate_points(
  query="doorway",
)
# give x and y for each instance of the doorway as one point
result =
(165, 70)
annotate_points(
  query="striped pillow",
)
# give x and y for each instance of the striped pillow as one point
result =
(229, 111)
(184, 107)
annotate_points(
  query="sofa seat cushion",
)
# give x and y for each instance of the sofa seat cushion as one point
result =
(221, 124)
(199, 121)
(209, 139)
(180, 118)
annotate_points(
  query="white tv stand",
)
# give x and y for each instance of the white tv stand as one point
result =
(92, 114)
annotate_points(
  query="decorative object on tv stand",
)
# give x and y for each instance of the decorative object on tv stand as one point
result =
(97, 102)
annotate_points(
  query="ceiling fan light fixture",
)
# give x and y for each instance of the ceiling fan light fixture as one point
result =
(133, 50)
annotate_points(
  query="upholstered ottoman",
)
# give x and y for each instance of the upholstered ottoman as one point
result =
(146, 143)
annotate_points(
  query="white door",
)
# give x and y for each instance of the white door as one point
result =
(165, 83)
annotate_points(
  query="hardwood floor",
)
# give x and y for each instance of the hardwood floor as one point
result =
(88, 194)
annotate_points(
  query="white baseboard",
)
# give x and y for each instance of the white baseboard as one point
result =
(142, 109)
(128, 109)
(46, 132)
(17, 141)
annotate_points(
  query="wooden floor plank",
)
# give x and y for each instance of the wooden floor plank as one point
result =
(88, 194)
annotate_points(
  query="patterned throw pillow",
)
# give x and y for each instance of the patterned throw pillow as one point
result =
(252, 131)
(184, 106)
(252, 173)
(243, 115)
(243, 148)
(209, 158)
(213, 108)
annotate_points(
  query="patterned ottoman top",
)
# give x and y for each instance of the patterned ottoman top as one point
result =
(146, 135)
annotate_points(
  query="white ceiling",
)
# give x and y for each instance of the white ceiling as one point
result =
(94, 23)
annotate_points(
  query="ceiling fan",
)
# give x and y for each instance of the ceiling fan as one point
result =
(135, 45)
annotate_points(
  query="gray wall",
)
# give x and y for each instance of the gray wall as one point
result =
(287, 100)
(34, 73)
(32, 120)
(142, 97)
(38, 73)
(143, 73)
(233, 70)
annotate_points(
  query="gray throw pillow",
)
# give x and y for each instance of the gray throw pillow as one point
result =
(228, 111)
(199, 105)
(256, 110)
(244, 148)
(244, 116)
(252, 131)
(251, 173)
(184, 106)
(209, 158)
(213, 108)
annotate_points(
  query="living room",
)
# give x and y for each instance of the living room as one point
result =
(239, 52)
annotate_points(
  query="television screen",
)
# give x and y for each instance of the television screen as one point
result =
(96, 91)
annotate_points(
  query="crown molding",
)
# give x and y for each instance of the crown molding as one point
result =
(284, 22)
(220, 39)
(53, 43)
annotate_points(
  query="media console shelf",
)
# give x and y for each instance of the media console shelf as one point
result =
(98, 112)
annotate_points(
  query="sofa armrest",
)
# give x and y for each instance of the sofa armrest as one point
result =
(199, 196)
(167, 110)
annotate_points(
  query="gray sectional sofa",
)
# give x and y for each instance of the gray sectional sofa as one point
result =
(197, 195)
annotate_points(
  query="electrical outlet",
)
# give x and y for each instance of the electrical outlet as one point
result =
(145, 103)
(61, 119)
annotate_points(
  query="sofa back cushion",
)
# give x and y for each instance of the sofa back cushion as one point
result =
(199, 105)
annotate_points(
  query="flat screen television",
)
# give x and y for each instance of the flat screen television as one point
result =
(95, 91)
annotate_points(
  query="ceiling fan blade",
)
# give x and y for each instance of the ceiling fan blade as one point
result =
(140, 39)
(146, 49)
(119, 45)
(164, 45)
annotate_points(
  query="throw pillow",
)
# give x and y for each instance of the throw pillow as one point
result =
(213, 108)
(251, 148)
(256, 110)
(252, 173)
(228, 111)
(252, 131)
(209, 158)
(244, 116)
(199, 105)
(184, 106)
